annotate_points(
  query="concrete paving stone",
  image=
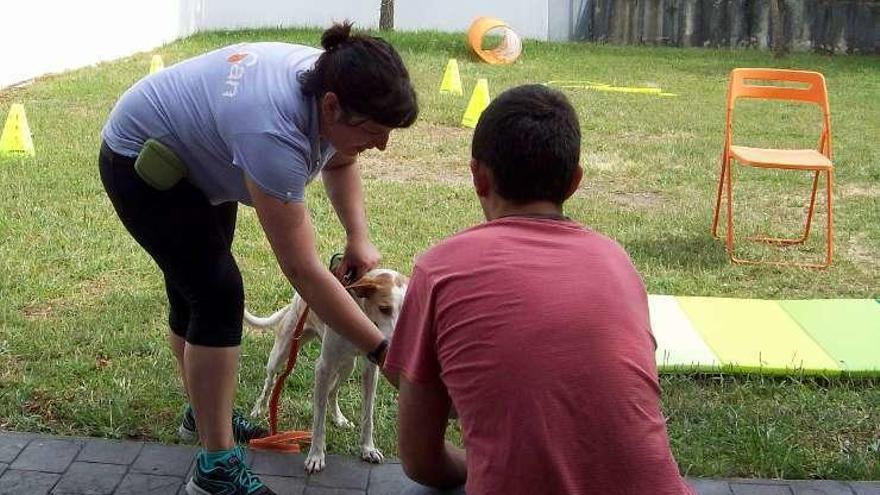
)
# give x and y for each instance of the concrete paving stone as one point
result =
(388, 479)
(12, 443)
(342, 472)
(821, 487)
(866, 487)
(27, 482)
(47, 454)
(283, 485)
(278, 464)
(87, 478)
(703, 486)
(321, 490)
(149, 484)
(760, 487)
(164, 460)
(109, 451)
(3, 467)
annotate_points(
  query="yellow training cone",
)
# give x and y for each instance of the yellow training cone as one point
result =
(451, 80)
(156, 64)
(479, 101)
(16, 137)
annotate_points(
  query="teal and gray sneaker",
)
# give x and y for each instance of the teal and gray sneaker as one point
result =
(227, 476)
(242, 429)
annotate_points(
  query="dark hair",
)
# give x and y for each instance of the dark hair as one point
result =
(367, 75)
(530, 139)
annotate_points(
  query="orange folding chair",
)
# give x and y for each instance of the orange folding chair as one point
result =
(745, 83)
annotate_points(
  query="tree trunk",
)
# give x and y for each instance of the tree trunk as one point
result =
(777, 33)
(386, 15)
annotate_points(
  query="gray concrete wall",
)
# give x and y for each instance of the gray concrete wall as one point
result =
(838, 26)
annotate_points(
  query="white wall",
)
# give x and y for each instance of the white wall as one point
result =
(46, 36)
(231, 14)
(527, 17)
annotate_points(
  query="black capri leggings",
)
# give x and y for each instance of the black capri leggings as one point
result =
(190, 240)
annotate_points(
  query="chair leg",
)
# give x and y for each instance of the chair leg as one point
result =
(829, 234)
(729, 182)
(807, 223)
(812, 207)
(725, 162)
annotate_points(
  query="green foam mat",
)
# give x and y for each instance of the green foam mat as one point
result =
(756, 335)
(848, 329)
(716, 334)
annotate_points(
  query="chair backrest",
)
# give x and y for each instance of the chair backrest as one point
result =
(810, 87)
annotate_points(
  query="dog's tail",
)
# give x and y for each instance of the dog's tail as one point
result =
(269, 321)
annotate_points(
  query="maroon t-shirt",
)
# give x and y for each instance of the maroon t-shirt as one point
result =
(539, 330)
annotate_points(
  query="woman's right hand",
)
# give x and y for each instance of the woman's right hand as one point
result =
(289, 230)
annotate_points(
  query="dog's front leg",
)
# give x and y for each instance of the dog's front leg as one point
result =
(324, 375)
(369, 452)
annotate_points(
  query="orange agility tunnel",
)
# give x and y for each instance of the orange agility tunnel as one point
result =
(507, 50)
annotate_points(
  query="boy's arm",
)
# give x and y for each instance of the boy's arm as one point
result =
(426, 456)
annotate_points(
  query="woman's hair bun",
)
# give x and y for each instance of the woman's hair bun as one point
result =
(338, 34)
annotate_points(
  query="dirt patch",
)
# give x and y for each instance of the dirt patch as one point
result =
(42, 404)
(859, 191)
(34, 312)
(93, 289)
(606, 162)
(858, 251)
(429, 153)
(637, 199)
(641, 137)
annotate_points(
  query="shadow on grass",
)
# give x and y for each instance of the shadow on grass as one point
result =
(697, 250)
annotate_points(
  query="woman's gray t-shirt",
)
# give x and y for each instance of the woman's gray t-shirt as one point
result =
(236, 109)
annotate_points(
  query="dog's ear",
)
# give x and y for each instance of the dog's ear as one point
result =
(365, 287)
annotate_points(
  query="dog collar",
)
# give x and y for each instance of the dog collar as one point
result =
(375, 356)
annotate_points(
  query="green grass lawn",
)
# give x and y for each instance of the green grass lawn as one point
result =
(82, 314)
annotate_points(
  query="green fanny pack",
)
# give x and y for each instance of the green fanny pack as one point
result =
(158, 166)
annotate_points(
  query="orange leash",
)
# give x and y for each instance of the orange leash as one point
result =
(287, 441)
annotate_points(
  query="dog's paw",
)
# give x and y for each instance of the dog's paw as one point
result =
(372, 454)
(314, 463)
(341, 421)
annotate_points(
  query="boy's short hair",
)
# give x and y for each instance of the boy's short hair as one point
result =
(530, 138)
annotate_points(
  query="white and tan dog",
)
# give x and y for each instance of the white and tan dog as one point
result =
(380, 295)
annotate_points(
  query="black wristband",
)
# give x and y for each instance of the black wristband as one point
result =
(376, 353)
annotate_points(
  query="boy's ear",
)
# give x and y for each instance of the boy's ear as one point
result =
(480, 175)
(576, 178)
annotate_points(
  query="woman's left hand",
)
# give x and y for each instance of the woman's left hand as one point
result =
(360, 257)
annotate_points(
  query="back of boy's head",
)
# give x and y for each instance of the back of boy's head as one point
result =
(529, 138)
